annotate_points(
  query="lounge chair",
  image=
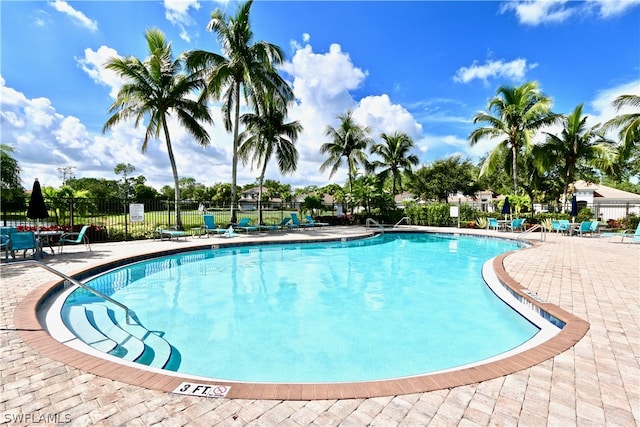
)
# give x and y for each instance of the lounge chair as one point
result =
(623, 234)
(74, 239)
(493, 224)
(314, 223)
(517, 224)
(583, 228)
(295, 222)
(210, 226)
(169, 233)
(276, 227)
(244, 225)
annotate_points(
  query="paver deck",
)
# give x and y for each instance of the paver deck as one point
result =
(596, 382)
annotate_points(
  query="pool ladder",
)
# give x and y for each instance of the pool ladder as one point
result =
(129, 313)
(371, 221)
(543, 232)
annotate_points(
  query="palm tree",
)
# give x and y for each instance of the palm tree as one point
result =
(395, 158)
(266, 134)
(154, 90)
(349, 141)
(629, 131)
(576, 145)
(519, 112)
(245, 69)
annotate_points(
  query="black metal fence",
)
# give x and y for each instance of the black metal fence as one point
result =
(124, 220)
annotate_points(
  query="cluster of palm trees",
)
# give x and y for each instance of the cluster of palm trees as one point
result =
(162, 86)
(517, 113)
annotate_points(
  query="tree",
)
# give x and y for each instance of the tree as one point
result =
(267, 134)
(517, 113)
(154, 90)
(244, 70)
(629, 134)
(10, 183)
(576, 146)
(395, 158)
(443, 178)
(126, 169)
(348, 141)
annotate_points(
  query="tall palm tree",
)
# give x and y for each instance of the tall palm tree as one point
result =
(153, 90)
(394, 152)
(349, 141)
(576, 145)
(518, 112)
(266, 134)
(629, 132)
(245, 71)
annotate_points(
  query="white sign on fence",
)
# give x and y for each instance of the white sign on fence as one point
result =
(453, 211)
(136, 212)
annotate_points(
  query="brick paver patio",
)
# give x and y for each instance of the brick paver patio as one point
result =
(597, 382)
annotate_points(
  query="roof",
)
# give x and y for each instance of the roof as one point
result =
(604, 192)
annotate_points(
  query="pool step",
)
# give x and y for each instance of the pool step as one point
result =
(158, 349)
(77, 321)
(129, 347)
(108, 331)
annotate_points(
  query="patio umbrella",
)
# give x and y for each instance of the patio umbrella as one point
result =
(574, 208)
(37, 209)
(506, 209)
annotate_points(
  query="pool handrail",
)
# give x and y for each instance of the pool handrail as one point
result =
(70, 279)
(543, 232)
(374, 222)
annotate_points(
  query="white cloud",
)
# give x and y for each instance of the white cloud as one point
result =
(93, 64)
(611, 8)
(77, 16)
(322, 83)
(177, 12)
(601, 106)
(513, 70)
(537, 12)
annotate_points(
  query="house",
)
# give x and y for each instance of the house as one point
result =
(249, 199)
(606, 202)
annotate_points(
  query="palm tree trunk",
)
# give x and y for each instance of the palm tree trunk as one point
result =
(234, 166)
(514, 155)
(174, 169)
(264, 169)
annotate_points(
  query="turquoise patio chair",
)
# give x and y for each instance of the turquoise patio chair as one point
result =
(493, 224)
(561, 226)
(517, 224)
(583, 228)
(22, 241)
(75, 239)
(276, 227)
(624, 233)
(315, 223)
(244, 225)
(210, 226)
(296, 223)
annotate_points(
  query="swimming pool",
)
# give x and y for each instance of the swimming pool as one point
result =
(322, 312)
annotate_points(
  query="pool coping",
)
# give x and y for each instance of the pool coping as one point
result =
(32, 332)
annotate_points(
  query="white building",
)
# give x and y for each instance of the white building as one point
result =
(606, 202)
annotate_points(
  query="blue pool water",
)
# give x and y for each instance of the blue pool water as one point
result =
(386, 307)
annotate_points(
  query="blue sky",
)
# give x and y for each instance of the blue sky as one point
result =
(421, 67)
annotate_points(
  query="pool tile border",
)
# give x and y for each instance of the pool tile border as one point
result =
(33, 334)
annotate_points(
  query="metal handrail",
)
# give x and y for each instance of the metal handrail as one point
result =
(543, 234)
(99, 294)
(373, 221)
(402, 219)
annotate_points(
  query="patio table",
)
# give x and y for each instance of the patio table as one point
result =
(47, 238)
